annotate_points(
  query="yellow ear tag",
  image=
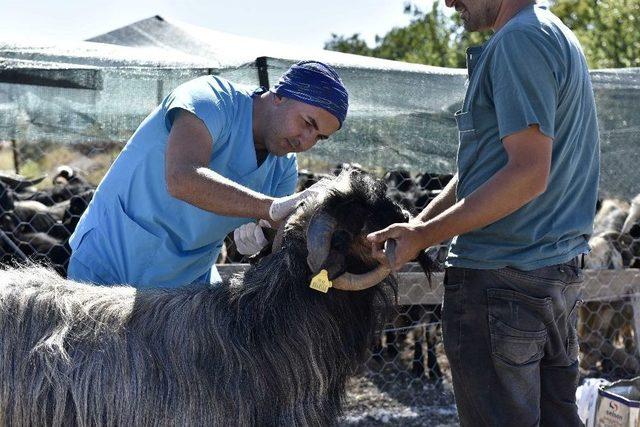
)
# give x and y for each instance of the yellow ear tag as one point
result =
(321, 282)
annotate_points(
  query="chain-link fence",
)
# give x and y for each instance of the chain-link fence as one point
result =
(407, 368)
(408, 363)
(57, 142)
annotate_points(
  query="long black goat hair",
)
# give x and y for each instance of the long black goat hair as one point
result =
(260, 349)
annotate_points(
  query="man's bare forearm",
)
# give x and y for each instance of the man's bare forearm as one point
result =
(441, 203)
(208, 190)
(504, 193)
(188, 177)
(523, 178)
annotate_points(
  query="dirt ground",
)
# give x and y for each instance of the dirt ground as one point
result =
(403, 402)
(387, 393)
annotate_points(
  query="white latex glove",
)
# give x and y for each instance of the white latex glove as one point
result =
(249, 238)
(283, 206)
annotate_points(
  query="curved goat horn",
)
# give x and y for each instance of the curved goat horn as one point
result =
(19, 183)
(319, 234)
(360, 282)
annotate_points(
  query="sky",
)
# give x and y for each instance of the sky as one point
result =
(296, 22)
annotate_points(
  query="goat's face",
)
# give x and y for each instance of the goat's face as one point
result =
(335, 225)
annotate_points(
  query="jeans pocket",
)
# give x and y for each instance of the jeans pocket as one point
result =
(452, 311)
(572, 344)
(452, 299)
(516, 325)
(514, 346)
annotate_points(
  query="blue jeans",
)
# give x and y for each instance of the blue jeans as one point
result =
(510, 337)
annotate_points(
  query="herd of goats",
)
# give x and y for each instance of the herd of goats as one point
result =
(79, 354)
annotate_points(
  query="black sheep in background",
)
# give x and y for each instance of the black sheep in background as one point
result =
(35, 225)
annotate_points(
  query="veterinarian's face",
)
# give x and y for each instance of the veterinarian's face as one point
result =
(476, 15)
(296, 126)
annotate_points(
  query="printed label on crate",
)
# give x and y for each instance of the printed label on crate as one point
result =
(619, 404)
(612, 413)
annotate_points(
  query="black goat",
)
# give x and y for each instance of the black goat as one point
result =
(261, 349)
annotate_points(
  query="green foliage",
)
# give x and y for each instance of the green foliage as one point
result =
(353, 44)
(431, 38)
(425, 40)
(609, 31)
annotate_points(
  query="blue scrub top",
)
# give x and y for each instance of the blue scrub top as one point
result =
(135, 232)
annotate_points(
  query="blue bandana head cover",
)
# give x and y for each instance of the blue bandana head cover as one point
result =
(316, 84)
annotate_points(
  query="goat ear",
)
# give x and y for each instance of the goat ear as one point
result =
(319, 233)
(428, 264)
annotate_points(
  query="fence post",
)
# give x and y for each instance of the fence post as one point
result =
(16, 156)
(159, 91)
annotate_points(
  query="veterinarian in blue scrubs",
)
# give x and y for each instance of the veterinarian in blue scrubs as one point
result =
(213, 156)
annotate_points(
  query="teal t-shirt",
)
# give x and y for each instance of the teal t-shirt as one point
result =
(532, 71)
(135, 232)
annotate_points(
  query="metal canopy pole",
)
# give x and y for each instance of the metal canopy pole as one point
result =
(263, 72)
(80, 78)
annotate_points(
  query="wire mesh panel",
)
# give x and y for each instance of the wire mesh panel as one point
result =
(40, 213)
(57, 143)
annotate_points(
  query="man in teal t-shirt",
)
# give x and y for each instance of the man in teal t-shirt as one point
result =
(214, 156)
(520, 211)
